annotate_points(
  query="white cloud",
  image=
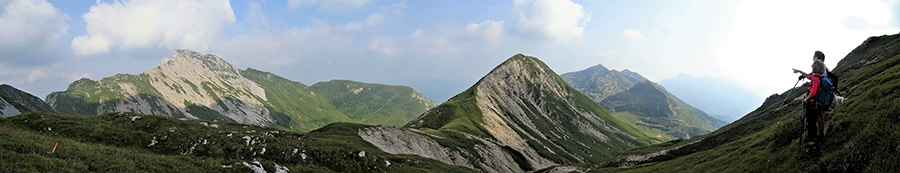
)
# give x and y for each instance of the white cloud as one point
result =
(30, 31)
(384, 45)
(373, 20)
(633, 34)
(294, 4)
(282, 46)
(488, 30)
(341, 5)
(554, 20)
(138, 24)
(606, 53)
(36, 75)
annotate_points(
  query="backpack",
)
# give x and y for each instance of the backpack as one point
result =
(827, 86)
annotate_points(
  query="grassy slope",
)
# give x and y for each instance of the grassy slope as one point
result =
(462, 115)
(114, 143)
(863, 135)
(295, 102)
(374, 104)
(304, 108)
(654, 110)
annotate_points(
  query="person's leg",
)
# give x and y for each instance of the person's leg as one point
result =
(811, 129)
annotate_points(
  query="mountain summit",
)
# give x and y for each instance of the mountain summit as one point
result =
(535, 116)
(204, 86)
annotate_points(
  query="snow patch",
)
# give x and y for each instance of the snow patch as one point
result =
(387, 163)
(362, 154)
(263, 151)
(303, 156)
(132, 118)
(205, 124)
(214, 125)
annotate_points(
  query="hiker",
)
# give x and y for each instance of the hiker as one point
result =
(814, 116)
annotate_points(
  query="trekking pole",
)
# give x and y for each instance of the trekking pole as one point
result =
(791, 92)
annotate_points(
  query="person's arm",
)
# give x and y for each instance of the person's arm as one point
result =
(801, 72)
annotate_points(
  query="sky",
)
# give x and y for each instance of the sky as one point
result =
(439, 48)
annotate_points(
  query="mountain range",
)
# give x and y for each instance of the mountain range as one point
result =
(203, 86)
(645, 105)
(520, 117)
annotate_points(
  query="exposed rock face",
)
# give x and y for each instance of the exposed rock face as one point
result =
(409, 141)
(533, 118)
(14, 101)
(7, 109)
(186, 80)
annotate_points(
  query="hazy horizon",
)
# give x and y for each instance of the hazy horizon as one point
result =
(439, 48)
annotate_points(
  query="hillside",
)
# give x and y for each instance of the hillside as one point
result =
(14, 101)
(128, 142)
(658, 114)
(723, 98)
(643, 104)
(198, 86)
(520, 117)
(862, 135)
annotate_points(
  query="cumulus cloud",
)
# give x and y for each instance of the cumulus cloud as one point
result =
(553, 20)
(138, 24)
(633, 34)
(30, 31)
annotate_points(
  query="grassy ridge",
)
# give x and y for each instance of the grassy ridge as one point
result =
(862, 136)
(129, 142)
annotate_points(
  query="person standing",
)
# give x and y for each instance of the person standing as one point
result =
(814, 115)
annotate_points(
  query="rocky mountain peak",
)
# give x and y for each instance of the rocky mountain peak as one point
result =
(186, 58)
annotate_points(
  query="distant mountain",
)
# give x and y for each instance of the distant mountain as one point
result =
(597, 82)
(658, 114)
(194, 85)
(861, 136)
(633, 75)
(723, 98)
(519, 117)
(14, 101)
(641, 103)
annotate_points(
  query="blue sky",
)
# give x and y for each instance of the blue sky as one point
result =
(440, 48)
